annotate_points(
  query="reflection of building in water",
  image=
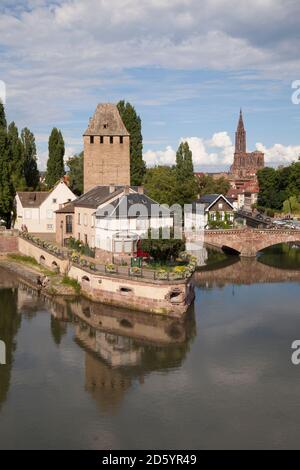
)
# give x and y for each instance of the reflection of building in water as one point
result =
(106, 385)
(122, 347)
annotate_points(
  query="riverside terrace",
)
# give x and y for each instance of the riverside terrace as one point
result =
(167, 293)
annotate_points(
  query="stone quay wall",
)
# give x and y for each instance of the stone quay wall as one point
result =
(8, 241)
(171, 298)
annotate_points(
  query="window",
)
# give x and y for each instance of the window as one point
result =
(220, 205)
(49, 214)
(91, 139)
(111, 140)
(79, 218)
(85, 239)
(101, 139)
(105, 126)
(49, 227)
(69, 224)
(121, 139)
(54, 201)
(85, 219)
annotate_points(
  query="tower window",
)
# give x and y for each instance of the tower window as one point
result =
(91, 139)
(111, 140)
(121, 139)
(101, 139)
(105, 126)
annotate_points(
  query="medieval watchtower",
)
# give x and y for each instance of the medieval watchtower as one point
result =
(106, 149)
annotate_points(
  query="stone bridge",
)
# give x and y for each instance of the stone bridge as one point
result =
(245, 271)
(248, 241)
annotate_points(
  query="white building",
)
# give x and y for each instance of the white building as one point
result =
(123, 220)
(36, 210)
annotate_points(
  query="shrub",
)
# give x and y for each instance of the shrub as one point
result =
(68, 281)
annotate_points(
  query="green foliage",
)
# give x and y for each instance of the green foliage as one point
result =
(3, 123)
(218, 223)
(160, 184)
(80, 247)
(277, 186)
(31, 171)
(75, 173)
(23, 259)
(133, 124)
(206, 184)
(7, 191)
(16, 158)
(68, 281)
(55, 163)
(186, 187)
(163, 249)
(291, 205)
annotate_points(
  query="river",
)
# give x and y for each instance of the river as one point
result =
(85, 376)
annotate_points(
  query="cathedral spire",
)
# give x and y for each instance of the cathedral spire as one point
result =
(240, 136)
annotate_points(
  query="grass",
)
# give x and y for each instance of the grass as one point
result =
(68, 281)
(23, 259)
(31, 261)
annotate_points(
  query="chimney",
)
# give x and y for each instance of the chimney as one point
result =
(112, 188)
(141, 189)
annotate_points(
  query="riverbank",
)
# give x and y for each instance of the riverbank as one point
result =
(28, 273)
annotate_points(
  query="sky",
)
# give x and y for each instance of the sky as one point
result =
(187, 66)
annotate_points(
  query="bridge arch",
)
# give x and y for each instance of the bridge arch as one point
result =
(248, 242)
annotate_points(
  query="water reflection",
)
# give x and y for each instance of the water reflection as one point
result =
(120, 346)
(248, 271)
(10, 321)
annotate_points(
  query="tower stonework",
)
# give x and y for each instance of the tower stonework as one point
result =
(245, 165)
(106, 149)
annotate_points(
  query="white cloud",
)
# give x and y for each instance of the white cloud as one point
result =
(280, 154)
(160, 157)
(223, 152)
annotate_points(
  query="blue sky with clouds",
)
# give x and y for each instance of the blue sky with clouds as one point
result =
(186, 65)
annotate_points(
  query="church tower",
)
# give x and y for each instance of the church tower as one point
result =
(106, 149)
(240, 136)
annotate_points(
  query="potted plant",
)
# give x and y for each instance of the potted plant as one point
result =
(110, 268)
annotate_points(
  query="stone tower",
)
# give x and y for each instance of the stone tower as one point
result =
(106, 149)
(245, 164)
(240, 136)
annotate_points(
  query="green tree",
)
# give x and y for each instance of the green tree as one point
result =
(162, 249)
(75, 173)
(206, 184)
(160, 184)
(133, 124)
(55, 163)
(31, 171)
(16, 158)
(3, 123)
(186, 187)
(7, 190)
